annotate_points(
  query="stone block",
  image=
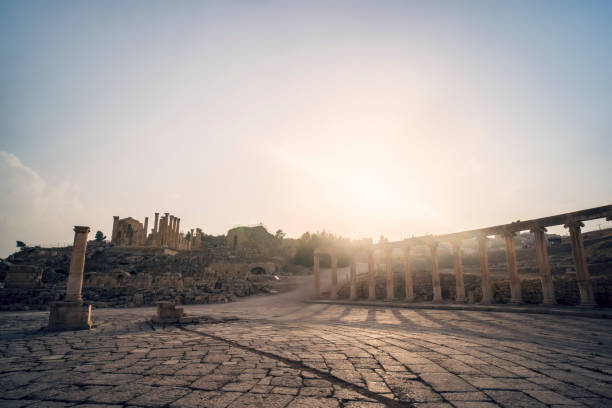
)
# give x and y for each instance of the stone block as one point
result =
(168, 313)
(69, 316)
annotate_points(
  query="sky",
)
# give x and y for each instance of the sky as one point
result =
(392, 118)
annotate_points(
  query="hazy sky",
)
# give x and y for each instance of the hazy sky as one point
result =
(361, 118)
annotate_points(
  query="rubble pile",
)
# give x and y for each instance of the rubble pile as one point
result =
(125, 277)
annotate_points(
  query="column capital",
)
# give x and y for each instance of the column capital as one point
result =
(432, 244)
(455, 242)
(507, 233)
(82, 230)
(573, 224)
(482, 237)
(537, 228)
(115, 217)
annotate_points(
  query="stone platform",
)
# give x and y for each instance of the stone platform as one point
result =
(283, 353)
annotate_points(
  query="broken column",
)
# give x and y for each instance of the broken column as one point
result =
(408, 276)
(582, 271)
(389, 275)
(548, 289)
(515, 282)
(458, 269)
(168, 313)
(73, 313)
(115, 233)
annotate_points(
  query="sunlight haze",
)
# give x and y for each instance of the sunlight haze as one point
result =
(358, 118)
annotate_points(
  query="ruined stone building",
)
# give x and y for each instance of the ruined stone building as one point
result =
(164, 234)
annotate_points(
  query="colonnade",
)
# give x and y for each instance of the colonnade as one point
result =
(571, 221)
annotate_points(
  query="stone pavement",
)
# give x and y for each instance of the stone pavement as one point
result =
(282, 353)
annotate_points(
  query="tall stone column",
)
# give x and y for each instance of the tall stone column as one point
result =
(515, 281)
(115, 234)
(178, 235)
(156, 231)
(165, 230)
(334, 275)
(548, 289)
(73, 313)
(408, 281)
(191, 240)
(317, 273)
(458, 269)
(435, 273)
(485, 277)
(585, 286)
(389, 274)
(171, 231)
(77, 265)
(146, 231)
(371, 277)
(353, 279)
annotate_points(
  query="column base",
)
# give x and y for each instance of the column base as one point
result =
(69, 316)
(587, 305)
(461, 300)
(515, 302)
(549, 303)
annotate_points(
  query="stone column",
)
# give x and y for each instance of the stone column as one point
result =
(408, 281)
(371, 277)
(191, 240)
(77, 264)
(73, 313)
(155, 232)
(389, 277)
(146, 231)
(458, 269)
(485, 278)
(353, 279)
(171, 231)
(165, 230)
(316, 273)
(178, 235)
(334, 275)
(115, 233)
(548, 289)
(435, 273)
(515, 281)
(585, 286)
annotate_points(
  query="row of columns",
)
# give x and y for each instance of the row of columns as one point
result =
(548, 291)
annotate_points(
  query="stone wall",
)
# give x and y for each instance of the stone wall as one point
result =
(117, 276)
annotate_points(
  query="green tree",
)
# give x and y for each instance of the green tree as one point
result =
(280, 235)
(100, 237)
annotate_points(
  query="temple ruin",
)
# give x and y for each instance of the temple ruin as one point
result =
(164, 234)
(572, 221)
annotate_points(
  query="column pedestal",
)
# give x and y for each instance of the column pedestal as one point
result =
(69, 316)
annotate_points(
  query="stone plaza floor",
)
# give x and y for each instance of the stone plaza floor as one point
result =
(284, 353)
